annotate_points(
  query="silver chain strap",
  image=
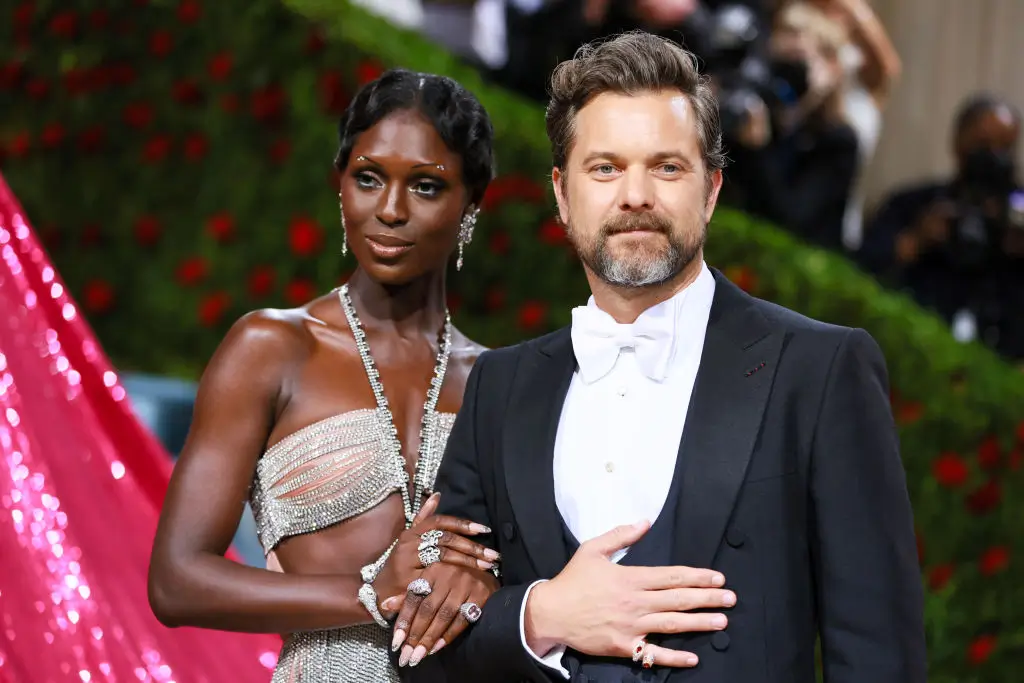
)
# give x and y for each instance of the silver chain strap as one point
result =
(420, 485)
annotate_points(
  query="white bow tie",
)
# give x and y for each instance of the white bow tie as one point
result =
(597, 340)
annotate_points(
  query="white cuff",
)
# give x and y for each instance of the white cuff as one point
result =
(553, 659)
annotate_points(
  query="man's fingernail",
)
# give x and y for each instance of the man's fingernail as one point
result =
(717, 580)
(437, 646)
(691, 660)
(397, 639)
(729, 599)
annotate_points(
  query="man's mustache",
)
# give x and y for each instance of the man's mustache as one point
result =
(649, 222)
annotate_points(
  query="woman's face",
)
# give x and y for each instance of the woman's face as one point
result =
(403, 199)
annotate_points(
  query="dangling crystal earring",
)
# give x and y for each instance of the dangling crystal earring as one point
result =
(466, 233)
(344, 232)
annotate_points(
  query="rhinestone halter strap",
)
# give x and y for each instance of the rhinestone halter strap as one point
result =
(410, 504)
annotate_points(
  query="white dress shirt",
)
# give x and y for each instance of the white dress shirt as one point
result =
(622, 420)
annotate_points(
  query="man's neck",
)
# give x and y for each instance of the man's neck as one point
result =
(625, 304)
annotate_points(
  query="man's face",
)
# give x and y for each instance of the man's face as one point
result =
(634, 193)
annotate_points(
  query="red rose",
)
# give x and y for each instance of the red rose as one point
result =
(221, 227)
(187, 92)
(949, 470)
(52, 135)
(531, 314)
(91, 235)
(20, 144)
(64, 24)
(333, 99)
(156, 149)
(298, 292)
(994, 560)
(315, 42)
(122, 73)
(368, 71)
(985, 498)
(37, 88)
(989, 453)
(213, 307)
(495, 299)
(1020, 432)
(23, 15)
(99, 19)
(280, 150)
(939, 576)
(92, 139)
(552, 233)
(261, 282)
(742, 277)
(191, 271)
(981, 649)
(910, 412)
(98, 296)
(160, 43)
(499, 242)
(305, 236)
(195, 147)
(138, 114)
(189, 11)
(267, 104)
(147, 231)
(220, 66)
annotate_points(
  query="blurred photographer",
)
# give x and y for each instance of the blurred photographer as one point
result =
(958, 246)
(794, 154)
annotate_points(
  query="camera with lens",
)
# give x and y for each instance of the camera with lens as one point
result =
(735, 50)
(988, 203)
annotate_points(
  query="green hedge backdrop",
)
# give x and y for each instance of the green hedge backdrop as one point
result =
(175, 156)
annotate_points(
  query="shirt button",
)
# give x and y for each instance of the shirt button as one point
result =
(609, 467)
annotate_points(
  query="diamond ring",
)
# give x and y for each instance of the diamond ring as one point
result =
(430, 539)
(471, 611)
(420, 587)
(430, 555)
(638, 650)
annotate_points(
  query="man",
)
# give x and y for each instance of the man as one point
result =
(957, 245)
(688, 484)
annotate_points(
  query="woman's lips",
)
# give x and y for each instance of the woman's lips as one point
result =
(388, 246)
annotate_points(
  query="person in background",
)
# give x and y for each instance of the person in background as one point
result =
(957, 245)
(796, 157)
(872, 67)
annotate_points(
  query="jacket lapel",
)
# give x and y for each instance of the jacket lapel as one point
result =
(528, 447)
(733, 383)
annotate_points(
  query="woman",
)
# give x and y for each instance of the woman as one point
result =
(332, 418)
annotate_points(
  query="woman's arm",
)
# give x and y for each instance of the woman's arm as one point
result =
(191, 583)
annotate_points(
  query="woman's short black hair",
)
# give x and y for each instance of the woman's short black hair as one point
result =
(459, 118)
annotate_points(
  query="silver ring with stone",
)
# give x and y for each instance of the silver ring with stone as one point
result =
(648, 661)
(430, 555)
(420, 587)
(430, 539)
(471, 611)
(638, 650)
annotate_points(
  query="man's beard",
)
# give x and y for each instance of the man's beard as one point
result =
(647, 265)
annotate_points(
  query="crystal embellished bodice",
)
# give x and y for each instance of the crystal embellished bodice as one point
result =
(333, 470)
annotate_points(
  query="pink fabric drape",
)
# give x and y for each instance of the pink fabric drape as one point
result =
(81, 484)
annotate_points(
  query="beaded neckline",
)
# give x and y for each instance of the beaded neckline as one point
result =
(410, 503)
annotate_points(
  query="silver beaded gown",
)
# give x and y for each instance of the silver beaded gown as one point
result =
(319, 476)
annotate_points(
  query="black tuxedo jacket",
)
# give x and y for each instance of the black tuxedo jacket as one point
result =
(792, 488)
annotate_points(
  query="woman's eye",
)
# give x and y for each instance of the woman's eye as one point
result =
(367, 181)
(427, 189)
